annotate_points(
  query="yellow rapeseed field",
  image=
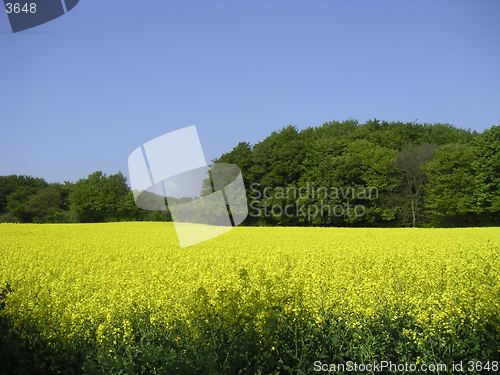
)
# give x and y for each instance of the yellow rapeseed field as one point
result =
(92, 282)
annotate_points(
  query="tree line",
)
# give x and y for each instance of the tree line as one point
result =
(97, 198)
(425, 175)
(378, 174)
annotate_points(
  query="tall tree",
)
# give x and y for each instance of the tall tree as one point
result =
(487, 171)
(277, 161)
(44, 203)
(363, 171)
(24, 188)
(409, 163)
(449, 193)
(101, 198)
(8, 185)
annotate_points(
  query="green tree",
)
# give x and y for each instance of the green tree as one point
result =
(409, 164)
(24, 187)
(362, 174)
(64, 190)
(45, 202)
(449, 194)
(8, 185)
(241, 156)
(486, 166)
(101, 198)
(278, 161)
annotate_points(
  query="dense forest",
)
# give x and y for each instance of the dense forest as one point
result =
(377, 174)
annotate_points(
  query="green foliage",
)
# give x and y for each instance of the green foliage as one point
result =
(241, 156)
(347, 156)
(451, 186)
(278, 160)
(45, 202)
(101, 198)
(487, 173)
(8, 184)
(409, 164)
(16, 191)
(291, 341)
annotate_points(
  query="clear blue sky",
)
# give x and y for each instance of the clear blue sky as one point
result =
(80, 93)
